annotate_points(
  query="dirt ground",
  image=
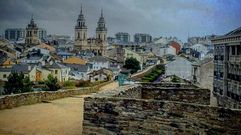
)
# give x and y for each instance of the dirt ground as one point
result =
(58, 117)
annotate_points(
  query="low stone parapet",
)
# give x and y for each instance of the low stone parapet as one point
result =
(15, 100)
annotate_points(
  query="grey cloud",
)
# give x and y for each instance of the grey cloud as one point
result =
(156, 17)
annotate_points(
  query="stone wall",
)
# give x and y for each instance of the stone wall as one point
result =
(170, 92)
(144, 109)
(107, 116)
(133, 92)
(10, 101)
(187, 95)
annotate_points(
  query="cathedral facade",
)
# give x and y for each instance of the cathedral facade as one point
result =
(97, 45)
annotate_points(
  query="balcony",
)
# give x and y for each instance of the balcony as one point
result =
(235, 59)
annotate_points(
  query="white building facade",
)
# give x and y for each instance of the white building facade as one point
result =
(180, 67)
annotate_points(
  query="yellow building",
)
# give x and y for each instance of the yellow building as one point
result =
(7, 63)
(35, 73)
(59, 71)
(4, 73)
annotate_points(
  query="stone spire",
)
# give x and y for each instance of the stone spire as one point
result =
(101, 12)
(81, 20)
(32, 24)
(101, 23)
(81, 9)
(32, 21)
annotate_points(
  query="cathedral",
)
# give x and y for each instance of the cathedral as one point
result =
(32, 30)
(97, 45)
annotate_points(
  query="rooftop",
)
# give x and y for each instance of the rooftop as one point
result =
(75, 60)
(234, 32)
(77, 67)
(98, 59)
(24, 68)
(47, 47)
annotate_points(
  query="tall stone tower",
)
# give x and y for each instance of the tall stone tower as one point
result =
(32, 37)
(80, 33)
(101, 33)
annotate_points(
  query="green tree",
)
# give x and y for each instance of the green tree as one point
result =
(52, 83)
(175, 79)
(132, 64)
(27, 85)
(17, 83)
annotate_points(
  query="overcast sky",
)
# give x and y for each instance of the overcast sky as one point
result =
(156, 17)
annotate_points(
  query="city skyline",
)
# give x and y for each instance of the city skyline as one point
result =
(158, 18)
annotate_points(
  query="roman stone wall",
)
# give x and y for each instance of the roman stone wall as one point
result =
(10, 101)
(187, 95)
(170, 92)
(107, 116)
(158, 109)
(132, 92)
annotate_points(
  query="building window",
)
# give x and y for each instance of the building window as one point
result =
(221, 92)
(233, 50)
(221, 74)
(239, 50)
(228, 93)
(56, 71)
(215, 57)
(4, 76)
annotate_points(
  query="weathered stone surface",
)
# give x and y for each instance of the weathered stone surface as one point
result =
(128, 113)
(188, 95)
(169, 117)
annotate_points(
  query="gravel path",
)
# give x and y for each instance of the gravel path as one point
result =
(59, 117)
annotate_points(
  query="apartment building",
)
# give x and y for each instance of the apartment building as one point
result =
(227, 69)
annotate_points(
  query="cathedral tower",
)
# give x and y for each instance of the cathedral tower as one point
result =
(80, 33)
(32, 37)
(101, 34)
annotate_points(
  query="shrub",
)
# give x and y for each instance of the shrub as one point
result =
(154, 74)
(69, 84)
(83, 84)
(17, 83)
(52, 83)
(133, 64)
(175, 79)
